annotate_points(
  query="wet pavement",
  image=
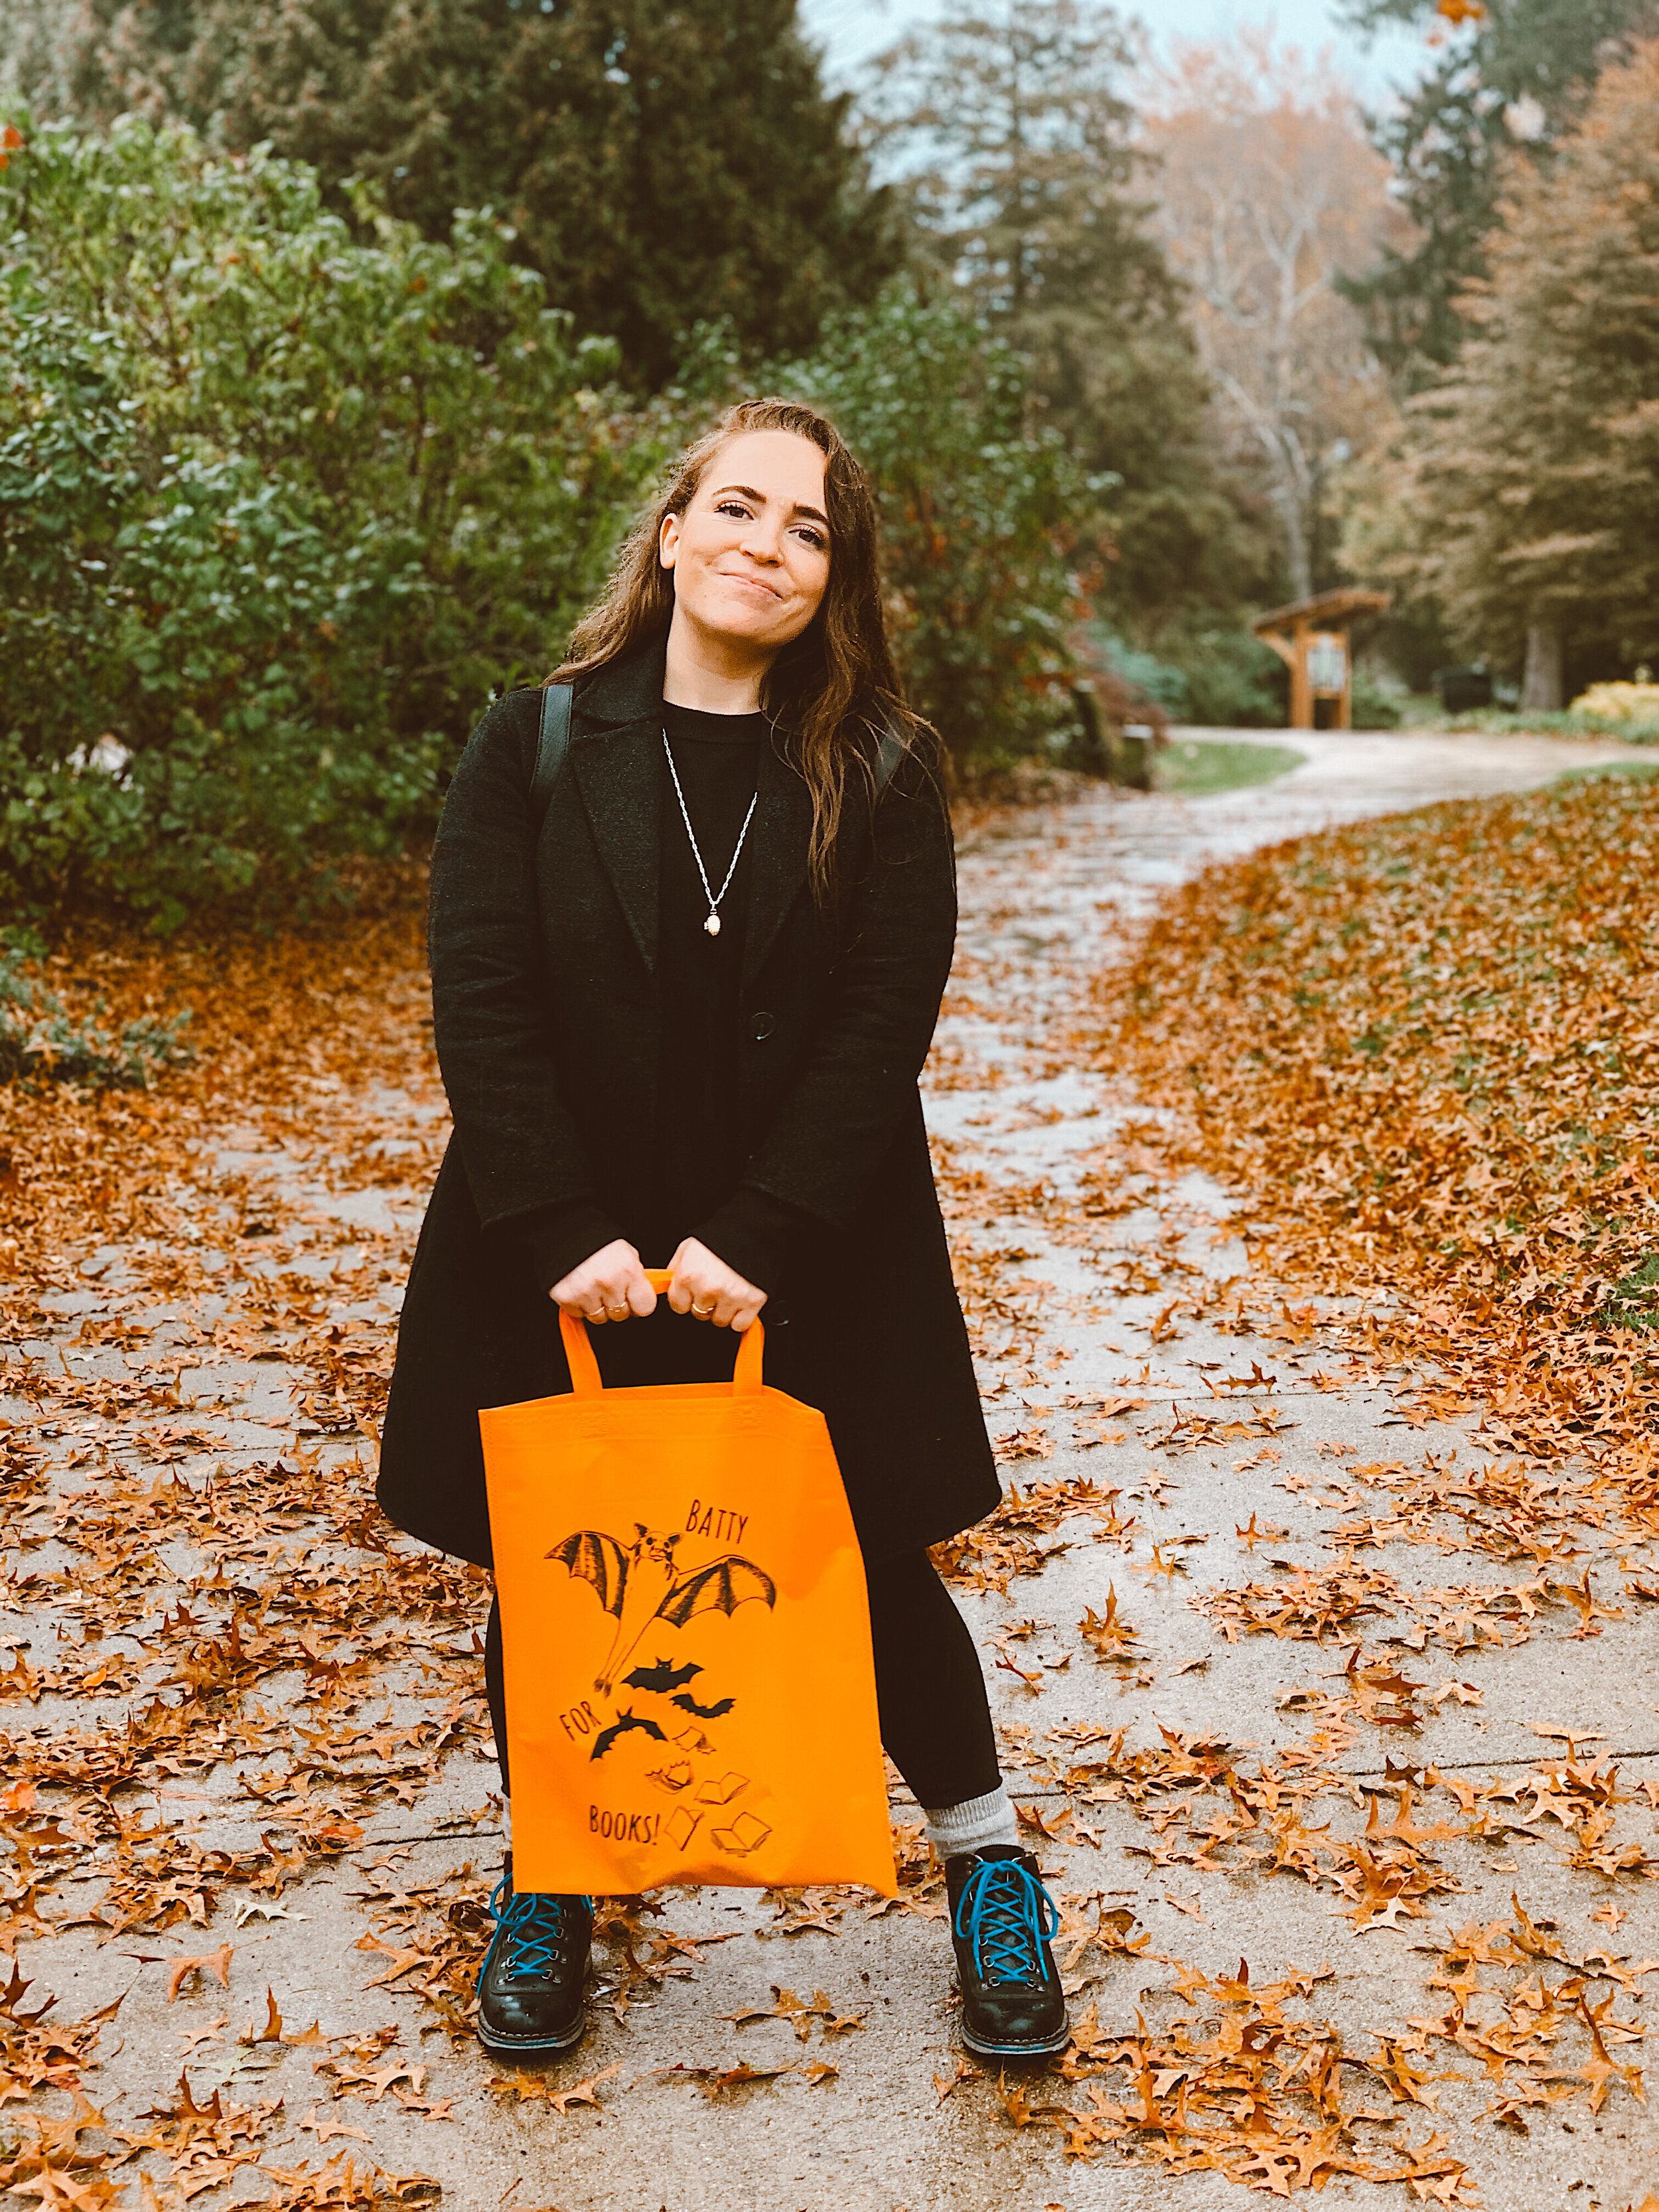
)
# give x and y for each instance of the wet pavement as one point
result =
(1180, 1427)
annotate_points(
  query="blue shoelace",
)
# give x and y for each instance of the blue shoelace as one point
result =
(1006, 1916)
(531, 1925)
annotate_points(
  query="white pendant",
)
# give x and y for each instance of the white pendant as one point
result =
(712, 925)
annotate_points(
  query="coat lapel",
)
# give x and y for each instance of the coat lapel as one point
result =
(615, 755)
(781, 834)
(620, 773)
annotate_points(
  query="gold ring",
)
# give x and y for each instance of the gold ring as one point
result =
(702, 1312)
(617, 1313)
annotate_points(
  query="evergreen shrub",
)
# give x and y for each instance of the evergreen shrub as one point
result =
(278, 502)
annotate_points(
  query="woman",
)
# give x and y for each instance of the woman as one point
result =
(686, 1015)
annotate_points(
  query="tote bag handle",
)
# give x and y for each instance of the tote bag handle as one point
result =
(584, 1378)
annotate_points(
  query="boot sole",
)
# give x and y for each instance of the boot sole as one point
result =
(1050, 2047)
(527, 2047)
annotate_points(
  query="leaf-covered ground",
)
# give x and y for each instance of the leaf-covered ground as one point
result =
(202, 1589)
(1428, 1047)
(1292, 1659)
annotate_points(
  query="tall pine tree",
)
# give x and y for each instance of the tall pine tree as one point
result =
(664, 161)
(1011, 136)
(1514, 74)
(1534, 464)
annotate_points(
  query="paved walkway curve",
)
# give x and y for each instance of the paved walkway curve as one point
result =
(1046, 903)
(1199, 1792)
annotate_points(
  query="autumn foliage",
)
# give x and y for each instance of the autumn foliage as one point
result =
(1425, 1045)
(164, 1252)
(1267, 194)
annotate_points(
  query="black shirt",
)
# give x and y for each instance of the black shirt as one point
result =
(699, 1159)
(697, 1188)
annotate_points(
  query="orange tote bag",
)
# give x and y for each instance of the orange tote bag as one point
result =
(686, 1632)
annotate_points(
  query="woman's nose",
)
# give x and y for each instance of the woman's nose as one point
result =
(761, 541)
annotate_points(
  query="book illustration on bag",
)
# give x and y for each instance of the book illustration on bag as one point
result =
(674, 1778)
(744, 1835)
(723, 1790)
(643, 1588)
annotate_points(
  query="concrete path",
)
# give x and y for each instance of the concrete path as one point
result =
(236, 1722)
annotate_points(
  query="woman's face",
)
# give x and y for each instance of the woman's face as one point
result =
(750, 554)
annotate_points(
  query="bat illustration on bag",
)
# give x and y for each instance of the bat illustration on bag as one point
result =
(641, 1586)
(688, 1704)
(663, 1676)
(624, 1724)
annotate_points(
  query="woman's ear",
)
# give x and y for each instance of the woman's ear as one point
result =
(668, 539)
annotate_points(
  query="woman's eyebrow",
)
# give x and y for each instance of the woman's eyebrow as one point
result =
(748, 491)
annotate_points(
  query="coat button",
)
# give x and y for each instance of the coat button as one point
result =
(761, 1027)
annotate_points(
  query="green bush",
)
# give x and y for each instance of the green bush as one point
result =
(1155, 679)
(281, 497)
(1371, 708)
(977, 511)
(277, 508)
(1213, 677)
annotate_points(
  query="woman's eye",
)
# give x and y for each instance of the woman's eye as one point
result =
(815, 539)
(734, 507)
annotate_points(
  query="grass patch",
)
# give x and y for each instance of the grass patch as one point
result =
(1425, 1046)
(1643, 771)
(1635, 1301)
(1194, 767)
(1563, 722)
(42, 1036)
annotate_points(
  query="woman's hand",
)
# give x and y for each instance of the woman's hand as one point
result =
(702, 1283)
(609, 1285)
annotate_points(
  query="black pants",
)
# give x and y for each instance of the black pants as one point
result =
(935, 1721)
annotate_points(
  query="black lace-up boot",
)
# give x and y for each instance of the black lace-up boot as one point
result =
(530, 1986)
(1002, 1922)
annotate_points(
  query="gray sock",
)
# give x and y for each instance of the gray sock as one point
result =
(973, 1824)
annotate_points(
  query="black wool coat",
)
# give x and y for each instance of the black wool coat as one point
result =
(543, 955)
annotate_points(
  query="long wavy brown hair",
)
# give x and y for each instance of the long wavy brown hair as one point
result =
(830, 692)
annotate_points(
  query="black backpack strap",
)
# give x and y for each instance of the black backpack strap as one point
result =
(551, 746)
(892, 749)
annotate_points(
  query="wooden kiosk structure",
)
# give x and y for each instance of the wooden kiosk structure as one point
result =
(1311, 636)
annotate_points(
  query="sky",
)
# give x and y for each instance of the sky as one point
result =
(852, 30)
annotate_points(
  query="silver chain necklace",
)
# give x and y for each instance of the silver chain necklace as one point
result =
(712, 924)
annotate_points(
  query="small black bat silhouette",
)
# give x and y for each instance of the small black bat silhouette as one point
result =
(688, 1704)
(662, 1676)
(624, 1724)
